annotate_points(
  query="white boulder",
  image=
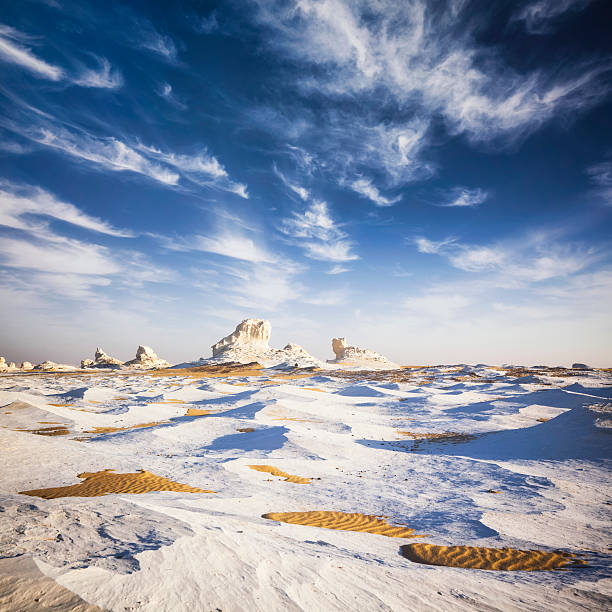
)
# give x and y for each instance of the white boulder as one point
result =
(146, 358)
(26, 365)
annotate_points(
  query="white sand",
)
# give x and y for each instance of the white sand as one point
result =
(178, 551)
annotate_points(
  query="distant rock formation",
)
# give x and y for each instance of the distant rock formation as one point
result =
(51, 366)
(26, 365)
(146, 359)
(580, 366)
(355, 356)
(101, 360)
(249, 342)
(251, 334)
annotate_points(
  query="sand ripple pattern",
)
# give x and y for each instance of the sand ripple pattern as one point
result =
(472, 557)
(344, 521)
(276, 472)
(105, 482)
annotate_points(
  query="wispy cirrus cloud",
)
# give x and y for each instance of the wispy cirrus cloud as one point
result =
(408, 64)
(536, 257)
(300, 191)
(315, 231)
(365, 188)
(22, 207)
(540, 15)
(104, 77)
(601, 176)
(464, 197)
(12, 50)
(114, 154)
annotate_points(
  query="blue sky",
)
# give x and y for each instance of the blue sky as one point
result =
(432, 180)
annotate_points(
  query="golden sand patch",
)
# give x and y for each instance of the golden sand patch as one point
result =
(105, 482)
(214, 371)
(101, 430)
(314, 389)
(197, 412)
(120, 398)
(246, 429)
(542, 419)
(344, 521)
(168, 401)
(60, 405)
(293, 376)
(276, 472)
(472, 557)
(48, 431)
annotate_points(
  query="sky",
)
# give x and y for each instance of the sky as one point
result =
(431, 180)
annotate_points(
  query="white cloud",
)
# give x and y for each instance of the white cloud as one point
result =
(365, 187)
(149, 38)
(14, 53)
(424, 245)
(601, 175)
(302, 192)
(463, 197)
(113, 154)
(333, 297)
(232, 245)
(18, 204)
(318, 234)
(105, 77)
(537, 16)
(416, 62)
(534, 258)
(65, 257)
(476, 259)
(338, 269)
(109, 153)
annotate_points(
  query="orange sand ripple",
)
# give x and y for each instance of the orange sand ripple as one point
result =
(276, 472)
(197, 412)
(105, 482)
(344, 521)
(101, 430)
(472, 557)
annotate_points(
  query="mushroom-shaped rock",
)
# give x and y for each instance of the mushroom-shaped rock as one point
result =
(26, 365)
(251, 334)
(146, 358)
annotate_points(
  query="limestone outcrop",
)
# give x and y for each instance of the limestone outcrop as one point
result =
(249, 342)
(354, 356)
(101, 360)
(51, 366)
(146, 359)
(26, 365)
(251, 334)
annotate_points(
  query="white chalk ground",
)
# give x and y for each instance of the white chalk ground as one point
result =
(168, 551)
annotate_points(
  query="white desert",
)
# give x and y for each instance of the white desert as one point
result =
(264, 478)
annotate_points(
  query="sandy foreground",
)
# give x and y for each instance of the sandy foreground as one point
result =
(244, 488)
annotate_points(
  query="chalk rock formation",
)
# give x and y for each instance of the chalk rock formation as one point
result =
(146, 359)
(249, 342)
(6, 367)
(251, 334)
(26, 365)
(101, 360)
(51, 366)
(355, 356)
